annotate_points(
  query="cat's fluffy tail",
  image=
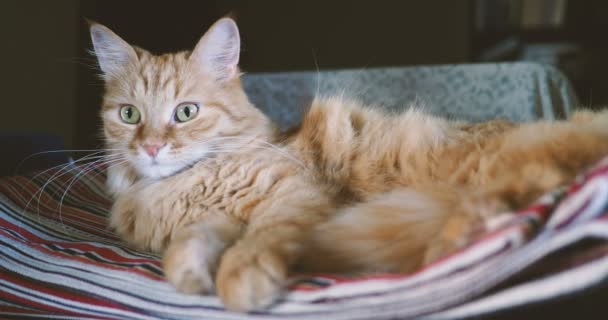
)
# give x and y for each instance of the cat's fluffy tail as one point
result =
(389, 233)
(584, 116)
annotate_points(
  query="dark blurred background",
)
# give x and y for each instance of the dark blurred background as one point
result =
(49, 85)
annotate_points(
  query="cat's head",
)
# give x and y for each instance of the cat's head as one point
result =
(162, 113)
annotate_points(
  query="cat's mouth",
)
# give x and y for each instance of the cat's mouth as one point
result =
(156, 169)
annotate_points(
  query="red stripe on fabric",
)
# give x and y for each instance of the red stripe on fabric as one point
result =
(102, 252)
(8, 309)
(65, 176)
(82, 190)
(42, 307)
(72, 294)
(45, 205)
(80, 221)
(598, 172)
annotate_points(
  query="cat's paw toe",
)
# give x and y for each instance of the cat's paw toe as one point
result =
(249, 281)
(192, 280)
(189, 267)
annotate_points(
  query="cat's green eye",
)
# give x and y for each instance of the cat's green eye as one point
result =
(129, 114)
(186, 112)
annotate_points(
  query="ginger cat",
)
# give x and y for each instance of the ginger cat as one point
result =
(235, 206)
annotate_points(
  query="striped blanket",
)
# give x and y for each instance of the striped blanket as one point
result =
(59, 260)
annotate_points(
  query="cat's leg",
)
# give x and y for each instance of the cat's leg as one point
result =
(253, 273)
(190, 262)
(538, 158)
(532, 161)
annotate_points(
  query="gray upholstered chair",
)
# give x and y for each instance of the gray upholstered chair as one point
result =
(476, 92)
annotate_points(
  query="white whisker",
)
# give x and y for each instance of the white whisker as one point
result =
(62, 169)
(88, 168)
(59, 151)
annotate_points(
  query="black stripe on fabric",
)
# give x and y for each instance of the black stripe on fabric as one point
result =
(74, 199)
(66, 288)
(35, 312)
(56, 189)
(65, 305)
(14, 233)
(94, 257)
(15, 303)
(72, 237)
(32, 225)
(160, 303)
(55, 193)
(25, 316)
(18, 316)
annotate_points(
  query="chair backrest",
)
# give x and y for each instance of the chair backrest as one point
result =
(474, 92)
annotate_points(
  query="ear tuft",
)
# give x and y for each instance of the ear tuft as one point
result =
(113, 53)
(218, 50)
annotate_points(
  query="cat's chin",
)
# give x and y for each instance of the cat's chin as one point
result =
(158, 171)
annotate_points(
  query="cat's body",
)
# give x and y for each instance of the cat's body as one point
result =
(235, 205)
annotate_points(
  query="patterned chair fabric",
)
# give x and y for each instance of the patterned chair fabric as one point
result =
(514, 91)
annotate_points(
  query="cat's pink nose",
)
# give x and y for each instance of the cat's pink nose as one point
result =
(152, 148)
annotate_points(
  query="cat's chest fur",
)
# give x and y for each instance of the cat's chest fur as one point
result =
(149, 212)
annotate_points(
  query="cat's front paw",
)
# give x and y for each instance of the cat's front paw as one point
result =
(249, 278)
(190, 264)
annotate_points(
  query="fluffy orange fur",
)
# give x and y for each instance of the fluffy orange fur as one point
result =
(235, 206)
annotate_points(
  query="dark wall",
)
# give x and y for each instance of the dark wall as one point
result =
(587, 25)
(282, 35)
(38, 61)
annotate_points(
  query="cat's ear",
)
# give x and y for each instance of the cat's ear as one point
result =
(218, 50)
(113, 53)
